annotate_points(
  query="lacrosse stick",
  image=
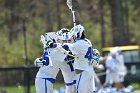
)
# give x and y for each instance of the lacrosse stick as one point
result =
(69, 4)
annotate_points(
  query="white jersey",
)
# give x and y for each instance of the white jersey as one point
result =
(121, 68)
(50, 72)
(112, 73)
(46, 76)
(110, 64)
(120, 58)
(80, 49)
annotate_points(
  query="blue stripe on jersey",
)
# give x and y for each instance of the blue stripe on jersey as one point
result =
(72, 83)
(45, 86)
(52, 80)
(79, 81)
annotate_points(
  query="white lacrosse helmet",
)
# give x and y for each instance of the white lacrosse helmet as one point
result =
(65, 30)
(48, 38)
(66, 36)
(78, 29)
(61, 32)
(115, 51)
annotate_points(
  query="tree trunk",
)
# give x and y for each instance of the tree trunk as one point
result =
(11, 21)
(126, 21)
(58, 14)
(102, 22)
(48, 16)
(118, 33)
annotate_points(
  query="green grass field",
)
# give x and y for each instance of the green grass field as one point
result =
(21, 89)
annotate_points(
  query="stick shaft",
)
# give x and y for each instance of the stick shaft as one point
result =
(73, 17)
(70, 6)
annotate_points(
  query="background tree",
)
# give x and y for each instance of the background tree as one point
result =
(107, 23)
(102, 22)
(118, 31)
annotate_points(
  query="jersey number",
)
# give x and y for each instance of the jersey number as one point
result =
(89, 54)
(45, 58)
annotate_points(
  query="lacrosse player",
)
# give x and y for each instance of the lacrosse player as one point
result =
(110, 70)
(52, 60)
(67, 66)
(120, 67)
(84, 60)
(48, 69)
(113, 64)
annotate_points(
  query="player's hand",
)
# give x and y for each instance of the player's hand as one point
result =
(96, 53)
(94, 61)
(38, 62)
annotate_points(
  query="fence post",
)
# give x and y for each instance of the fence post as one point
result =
(27, 79)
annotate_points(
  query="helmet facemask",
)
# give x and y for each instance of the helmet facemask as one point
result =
(64, 35)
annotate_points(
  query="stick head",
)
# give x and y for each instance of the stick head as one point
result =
(69, 4)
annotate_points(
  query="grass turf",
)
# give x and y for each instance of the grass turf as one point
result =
(21, 89)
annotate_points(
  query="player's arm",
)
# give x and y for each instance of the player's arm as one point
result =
(71, 47)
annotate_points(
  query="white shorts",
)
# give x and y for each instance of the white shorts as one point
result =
(51, 72)
(121, 78)
(68, 73)
(112, 78)
(44, 85)
(84, 82)
(45, 78)
(69, 76)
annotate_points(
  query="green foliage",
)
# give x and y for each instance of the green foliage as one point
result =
(21, 89)
(93, 33)
(35, 14)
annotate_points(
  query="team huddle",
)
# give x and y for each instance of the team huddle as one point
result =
(72, 53)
